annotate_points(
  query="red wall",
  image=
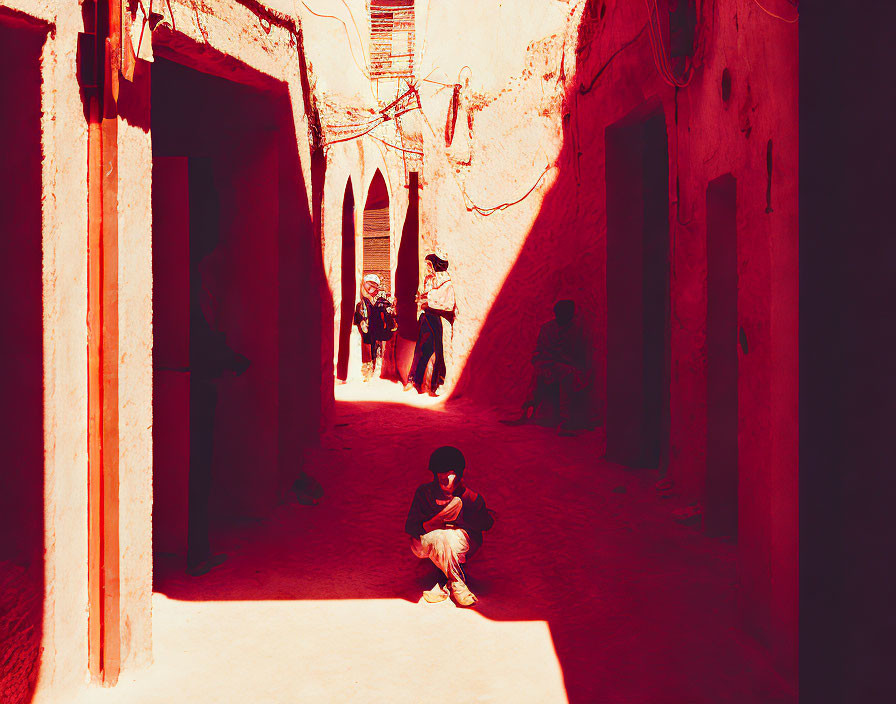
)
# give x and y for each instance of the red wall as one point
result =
(709, 135)
(21, 361)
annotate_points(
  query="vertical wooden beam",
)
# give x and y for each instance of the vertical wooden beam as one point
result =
(110, 511)
(104, 632)
(109, 367)
(94, 386)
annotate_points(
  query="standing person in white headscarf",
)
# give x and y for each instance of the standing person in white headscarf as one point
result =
(375, 319)
(437, 300)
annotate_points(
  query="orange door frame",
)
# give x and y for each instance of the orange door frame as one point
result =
(104, 634)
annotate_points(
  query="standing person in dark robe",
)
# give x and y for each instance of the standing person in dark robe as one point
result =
(561, 369)
(375, 318)
(446, 521)
(438, 304)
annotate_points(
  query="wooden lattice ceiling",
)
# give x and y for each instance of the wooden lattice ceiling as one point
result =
(391, 39)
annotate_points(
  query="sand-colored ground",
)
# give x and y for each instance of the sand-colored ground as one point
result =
(589, 591)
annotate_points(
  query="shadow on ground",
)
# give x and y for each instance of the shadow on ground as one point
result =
(640, 609)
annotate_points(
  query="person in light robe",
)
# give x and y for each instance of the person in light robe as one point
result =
(438, 307)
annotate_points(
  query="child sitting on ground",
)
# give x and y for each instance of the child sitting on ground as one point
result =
(446, 521)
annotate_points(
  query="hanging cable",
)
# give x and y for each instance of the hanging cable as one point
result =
(382, 118)
(504, 206)
(358, 32)
(347, 37)
(583, 89)
(468, 202)
(354, 136)
(777, 17)
(394, 146)
(659, 49)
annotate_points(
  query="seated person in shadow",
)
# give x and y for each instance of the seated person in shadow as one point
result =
(561, 371)
(446, 521)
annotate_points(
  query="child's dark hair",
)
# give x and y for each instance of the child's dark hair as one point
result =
(447, 459)
(437, 264)
(564, 310)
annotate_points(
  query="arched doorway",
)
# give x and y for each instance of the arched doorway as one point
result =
(348, 281)
(377, 233)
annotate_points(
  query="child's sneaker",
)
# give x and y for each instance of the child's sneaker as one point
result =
(462, 595)
(436, 594)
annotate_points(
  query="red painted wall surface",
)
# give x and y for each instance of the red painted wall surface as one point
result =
(21, 359)
(710, 132)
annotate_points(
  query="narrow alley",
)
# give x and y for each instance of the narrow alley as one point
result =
(589, 591)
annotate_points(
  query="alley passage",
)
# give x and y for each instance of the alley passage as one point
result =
(589, 591)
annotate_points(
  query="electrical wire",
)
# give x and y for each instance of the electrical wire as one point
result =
(777, 17)
(583, 89)
(504, 206)
(382, 118)
(438, 83)
(347, 37)
(659, 50)
(354, 136)
(358, 32)
(468, 202)
(394, 146)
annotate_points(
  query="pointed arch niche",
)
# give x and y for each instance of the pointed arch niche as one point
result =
(349, 287)
(377, 233)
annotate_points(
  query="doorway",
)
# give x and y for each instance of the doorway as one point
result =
(720, 513)
(378, 233)
(637, 168)
(236, 350)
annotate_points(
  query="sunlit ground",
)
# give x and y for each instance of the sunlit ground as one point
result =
(589, 591)
(389, 392)
(370, 650)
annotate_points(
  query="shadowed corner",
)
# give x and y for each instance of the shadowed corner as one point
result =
(236, 382)
(21, 358)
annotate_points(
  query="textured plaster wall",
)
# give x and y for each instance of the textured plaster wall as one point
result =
(65, 362)
(506, 140)
(216, 33)
(135, 415)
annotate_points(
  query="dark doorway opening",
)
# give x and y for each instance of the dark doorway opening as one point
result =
(349, 292)
(21, 357)
(236, 306)
(720, 513)
(637, 165)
